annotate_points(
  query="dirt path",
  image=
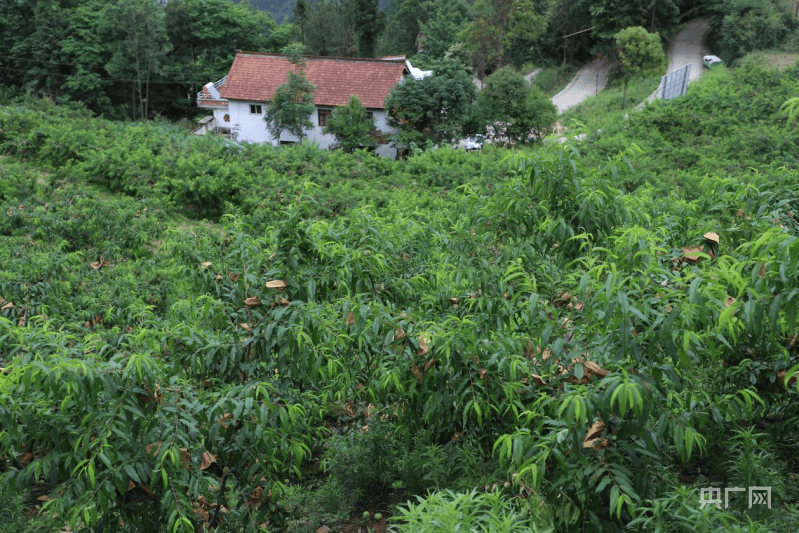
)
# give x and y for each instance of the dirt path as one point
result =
(686, 48)
(589, 80)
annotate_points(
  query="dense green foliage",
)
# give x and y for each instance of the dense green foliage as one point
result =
(352, 126)
(290, 108)
(515, 111)
(742, 26)
(549, 339)
(640, 55)
(433, 108)
(128, 58)
(140, 59)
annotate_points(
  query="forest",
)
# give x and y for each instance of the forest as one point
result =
(142, 59)
(596, 332)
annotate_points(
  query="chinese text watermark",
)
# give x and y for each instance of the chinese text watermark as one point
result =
(712, 496)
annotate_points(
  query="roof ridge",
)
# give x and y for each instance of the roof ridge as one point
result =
(334, 58)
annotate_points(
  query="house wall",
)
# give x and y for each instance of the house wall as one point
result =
(219, 118)
(249, 127)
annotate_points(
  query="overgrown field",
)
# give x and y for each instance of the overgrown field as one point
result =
(580, 337)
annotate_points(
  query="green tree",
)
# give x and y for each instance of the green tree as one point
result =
(514, 111)
(139, 41)
(352, 126)
(206, 33)
(742, 26)
(328, 28)
(434, 108)
(640, 55)
(402, 27)
(610, 16)
(501, 31)
(443, 20)
(292, 104)
(368, 21)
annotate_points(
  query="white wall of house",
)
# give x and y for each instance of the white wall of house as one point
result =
(219, 118)
(250, 127)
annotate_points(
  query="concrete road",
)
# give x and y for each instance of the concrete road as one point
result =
(686, 48)
(589, 80)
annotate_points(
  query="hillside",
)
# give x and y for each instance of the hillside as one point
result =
(574, 336)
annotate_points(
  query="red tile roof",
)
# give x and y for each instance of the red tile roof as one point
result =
(255, 77)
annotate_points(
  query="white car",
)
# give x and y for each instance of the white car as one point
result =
(712, 61)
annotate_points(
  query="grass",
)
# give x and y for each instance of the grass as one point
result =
(552, 80)
(774, 59)
(606, 106)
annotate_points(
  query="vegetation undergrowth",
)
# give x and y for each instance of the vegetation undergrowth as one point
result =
(578, 336)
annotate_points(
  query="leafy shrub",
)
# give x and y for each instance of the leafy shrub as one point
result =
(743, 26)
(445, 511)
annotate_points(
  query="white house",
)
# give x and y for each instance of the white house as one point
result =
(239, 99)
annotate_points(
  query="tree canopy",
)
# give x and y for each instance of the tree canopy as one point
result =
(513, 110)
(292, 103)
(434, 108)
(352, 126)
(640, 54)
(128, 58)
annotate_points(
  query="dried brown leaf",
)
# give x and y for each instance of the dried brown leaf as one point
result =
(430, 362)
(538, 380)
(691, 253)
(252, 301)
(205, 264)
(424, 345)
(7, 306)
(781, 378)
(350, 319)
(225, 419)
(416, 372)
(562, 299)
(233, 277)
(712, 236)
(257, 497)
(594, 435)
(207, 460)
(276, 284)
(593, 368)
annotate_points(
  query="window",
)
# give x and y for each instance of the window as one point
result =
(323, 115)
(370, 115)
(255, 109)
